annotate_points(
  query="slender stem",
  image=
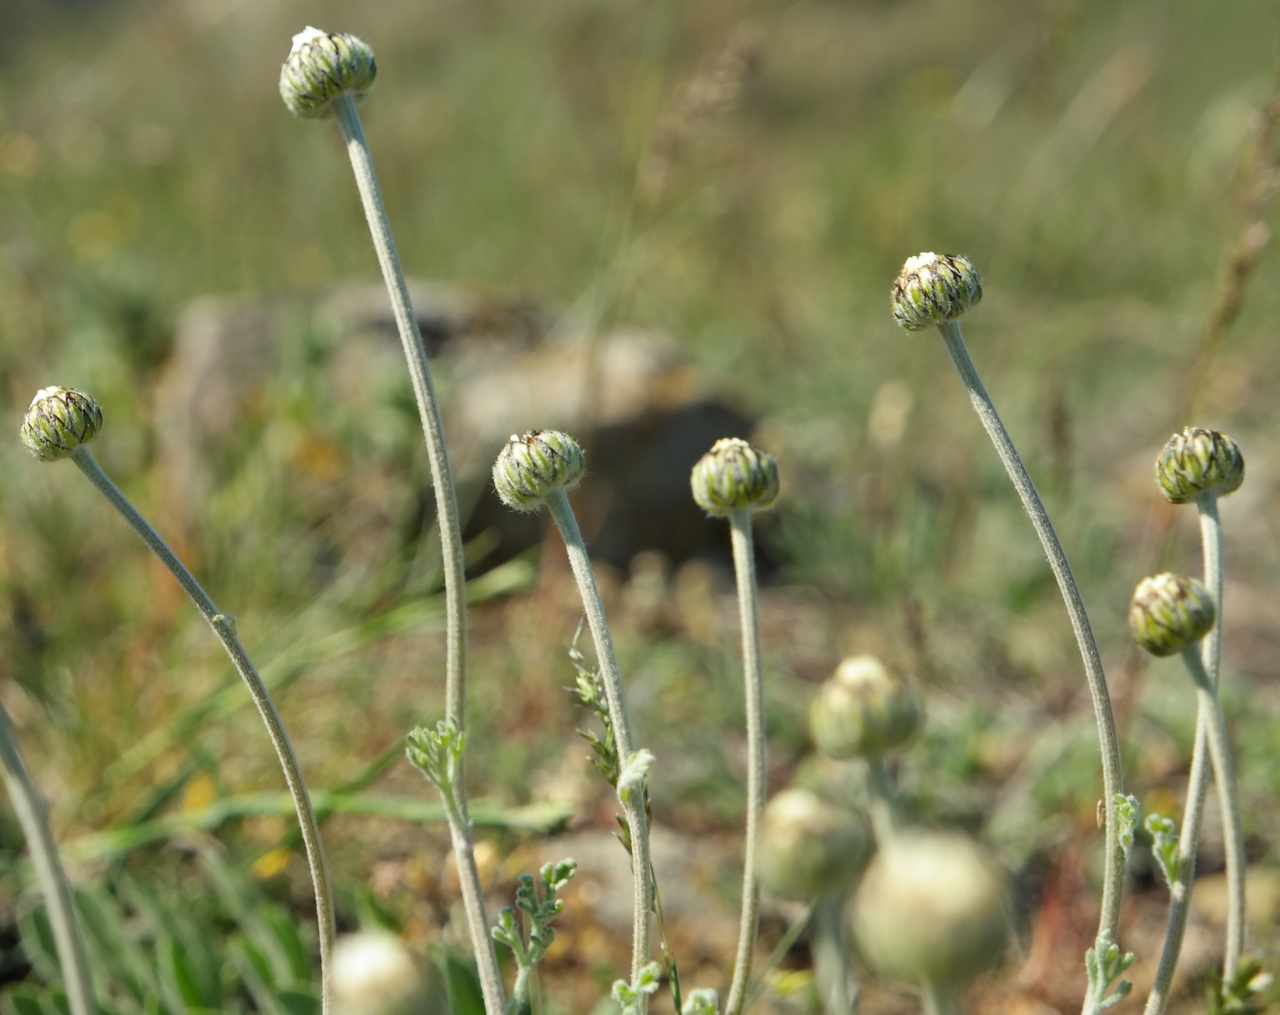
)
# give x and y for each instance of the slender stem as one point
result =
(937, 1000)
(606, 658)
(831, 970)
(224, 627)
(744, 566)
(31, 814)
(455, 589)
(1180, 890)
(884, 808)
(1211, 654)
(1113, 875)
(1229, 798)
(428, 409)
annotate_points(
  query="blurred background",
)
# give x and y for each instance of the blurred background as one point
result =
(656, 224)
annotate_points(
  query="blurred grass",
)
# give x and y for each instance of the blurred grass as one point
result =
(1094, 159)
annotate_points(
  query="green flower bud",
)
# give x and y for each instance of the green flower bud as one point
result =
(932, 907)
(1198, 463)
(934, 288)
(864, 710)
(58, 421)
(734, 476)
(530, 467)
(375, 973)
(809, 848)
(1170, 612)
(321, 67)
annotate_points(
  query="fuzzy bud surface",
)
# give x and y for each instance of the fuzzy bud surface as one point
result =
(864, 710)
(58, 421)
(809, 847)
(933, 289)
(531, 467)
(1198, 463)
(1170, 612)
(321, 66)
(734, 476)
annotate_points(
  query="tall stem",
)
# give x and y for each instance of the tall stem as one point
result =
(224, 627)
(744, 566)
(31, 815)
(606, 658)
(1113, 871)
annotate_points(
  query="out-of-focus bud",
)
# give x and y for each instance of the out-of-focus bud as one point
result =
(58, 421)
(1170, 612)
(934, 288)
(321, 67)
(734, 476)
(932, 907)
(530, 467)
(1196, 463)
(864, 710)
(808, 847)
(374, 973)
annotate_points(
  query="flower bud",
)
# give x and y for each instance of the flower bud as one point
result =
(321, 67)
(1198, 463)
(530, 467)
(734, 476)
(374, 973)
(58, 421)
(864, 710)
(808, 847)
(932, 907)
(1170, 612)
(934, 288)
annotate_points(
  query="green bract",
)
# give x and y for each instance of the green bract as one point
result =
(58, 421)
(934, 288)
(1170, 612)
(1198, 463)
(321, 67)
(864, 710)
(530, 467)
(734, 476)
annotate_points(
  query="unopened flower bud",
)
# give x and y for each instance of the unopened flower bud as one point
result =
(864, 710)
(1198, 463)
(808, 847)
(374, 973)
(933, 289)
(1170, 612)
(58, 421)
(321, 67)
(734, 476)
(932, 908)
(530, 467)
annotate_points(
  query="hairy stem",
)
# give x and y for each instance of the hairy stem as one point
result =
(1113, 872)
(224, 628)
(30, 812)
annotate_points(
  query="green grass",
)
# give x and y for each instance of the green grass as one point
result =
(1093, 159)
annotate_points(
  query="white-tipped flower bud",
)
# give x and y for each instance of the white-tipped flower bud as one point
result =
(933, 908)
(58, 421)
(933, 289)
(809, 848)
(864, 710)
(530, 467)
(734, 476)
(1196, 463)
(374, 973)
(321, 67)
(1170, 612)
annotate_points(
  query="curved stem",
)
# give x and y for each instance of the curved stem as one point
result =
(606, 658)
(1109, 741)
(744, 566)
(30, 812)
(428, 409)
(224, 627)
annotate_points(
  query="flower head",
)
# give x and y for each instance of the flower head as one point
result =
(864, 710)
(1198, 463)
(531, 467)
(1170, 612)
(933, 289)
(809, 847)
(734, 476)
(58, 421)
(321, 67)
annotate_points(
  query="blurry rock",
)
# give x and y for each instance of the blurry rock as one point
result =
(636, 405)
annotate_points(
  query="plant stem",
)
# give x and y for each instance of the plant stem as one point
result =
(606, 658)
(32, 816)
(428, 408)
(224, 628)
(452, 560)
(884, 811)
(744, 566)
(1211, 655)
(831, 970)
(1109, 741)
(937, 1001)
